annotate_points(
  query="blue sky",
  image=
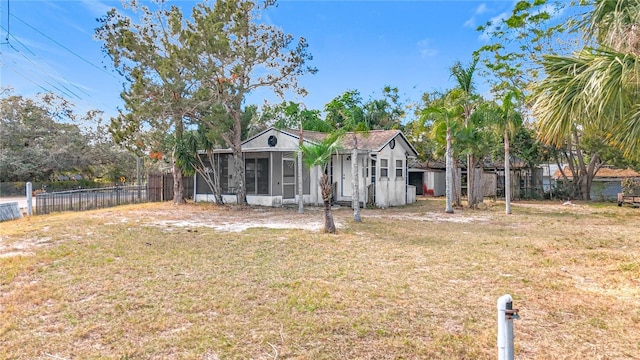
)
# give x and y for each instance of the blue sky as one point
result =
(362, 45)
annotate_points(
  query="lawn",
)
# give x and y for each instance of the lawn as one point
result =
(158, 281)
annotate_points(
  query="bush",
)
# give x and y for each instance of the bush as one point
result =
(631, 186)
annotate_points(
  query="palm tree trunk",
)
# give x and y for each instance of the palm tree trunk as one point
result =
(325, 186)
(300, 177)
(471, 200)
(507, 175)
(355, 182)
(449, 175)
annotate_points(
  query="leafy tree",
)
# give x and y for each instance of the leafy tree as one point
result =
(320, 155)
(40, 139)
(233, 53)
(419, 130)
(159, 85)
(385, 113)
(533, 27)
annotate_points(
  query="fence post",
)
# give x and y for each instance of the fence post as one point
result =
(506, 315)
(29, 198)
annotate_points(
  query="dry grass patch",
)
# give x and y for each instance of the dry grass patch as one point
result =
(156, 281)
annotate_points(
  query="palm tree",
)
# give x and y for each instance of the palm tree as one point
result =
(467, 99)
(506, 120)
(444, 116)
(598, 86)
(320, 155)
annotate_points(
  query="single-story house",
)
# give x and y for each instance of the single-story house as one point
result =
(606, 184)
(271, 169)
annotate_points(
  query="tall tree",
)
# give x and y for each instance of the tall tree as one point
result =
(595, 91)
(598, 86)
(346, 113)
(516, 41)
(159, 86)
(234, 53)
(466, 97)
(506, 119)
(444, 116)
(42, 138)
(386, 112)
(320, 155)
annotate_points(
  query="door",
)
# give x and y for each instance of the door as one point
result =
(288, 180)
(346, 188)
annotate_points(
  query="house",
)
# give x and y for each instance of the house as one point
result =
(271, 169)
(606, 184)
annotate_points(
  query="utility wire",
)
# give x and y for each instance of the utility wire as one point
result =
(18, 41)
(64, 47)
(44, 71)
(8, 26)
(31, 81)
(67, 93)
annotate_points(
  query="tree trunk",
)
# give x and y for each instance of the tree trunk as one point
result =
(176, 170)
(178, 189)
(215, 178)
(457, 192)
(355, 184)
(471, 200)
(507, 175)
(300, 176)
(449, 175)
(325, 186)
(238, 160)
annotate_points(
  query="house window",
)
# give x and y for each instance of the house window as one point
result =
(399, 168)
(227, 184)
(384, 168)
(256, 173)
(373, 171)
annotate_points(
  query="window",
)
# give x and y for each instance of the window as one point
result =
(399, 168)
(256, 173)
(227, 184)
(373, 171)
(384, 168)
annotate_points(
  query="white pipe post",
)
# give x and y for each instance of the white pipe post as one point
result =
(506, 314)
(29, 199)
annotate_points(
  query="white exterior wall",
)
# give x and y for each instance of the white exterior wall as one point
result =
(391, 191)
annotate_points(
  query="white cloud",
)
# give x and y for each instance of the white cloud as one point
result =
(425, 48)
(97, 8)
(471, 22)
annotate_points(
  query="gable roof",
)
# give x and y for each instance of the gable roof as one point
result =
(373, 140)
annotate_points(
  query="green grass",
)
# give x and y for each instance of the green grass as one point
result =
(406, 283)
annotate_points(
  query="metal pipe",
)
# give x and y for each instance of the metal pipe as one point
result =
(506, 315)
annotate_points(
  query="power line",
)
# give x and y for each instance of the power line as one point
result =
(43, 71)
(8, 26)
(64, 47)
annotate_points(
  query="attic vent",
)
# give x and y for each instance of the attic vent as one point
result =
(392, 143)
(272, 141)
